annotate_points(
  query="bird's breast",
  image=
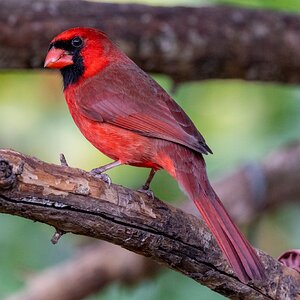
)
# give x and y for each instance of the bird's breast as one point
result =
(115, 142)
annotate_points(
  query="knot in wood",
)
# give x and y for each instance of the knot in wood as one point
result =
(7, 177)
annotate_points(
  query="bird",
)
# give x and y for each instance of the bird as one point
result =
(129, 117)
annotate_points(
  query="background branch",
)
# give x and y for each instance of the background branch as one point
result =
(90, 270)
(187, 43)
(73, 201)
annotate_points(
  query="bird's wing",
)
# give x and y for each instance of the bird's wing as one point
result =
(125, 96)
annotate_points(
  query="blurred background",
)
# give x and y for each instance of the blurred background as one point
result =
(241, 122)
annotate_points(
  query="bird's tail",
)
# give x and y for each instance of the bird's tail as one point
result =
(188, 168)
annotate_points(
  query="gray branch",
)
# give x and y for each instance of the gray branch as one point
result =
(246, 192)
(73, 201)
(90, 270)
(187, 43)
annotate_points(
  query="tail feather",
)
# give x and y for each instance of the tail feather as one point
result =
(188, 168)
(236, 248)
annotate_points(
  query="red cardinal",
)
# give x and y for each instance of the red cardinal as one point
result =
(126, 115)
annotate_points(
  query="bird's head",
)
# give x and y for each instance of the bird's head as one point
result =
(79, 53)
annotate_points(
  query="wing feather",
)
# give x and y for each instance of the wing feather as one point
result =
(125, 96)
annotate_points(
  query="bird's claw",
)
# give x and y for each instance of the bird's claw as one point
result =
(104, 177)
(147, 192)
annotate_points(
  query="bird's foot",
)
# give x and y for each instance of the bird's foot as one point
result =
(146, 191)
(98, 173)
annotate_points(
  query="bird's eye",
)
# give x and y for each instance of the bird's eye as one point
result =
(77, 42)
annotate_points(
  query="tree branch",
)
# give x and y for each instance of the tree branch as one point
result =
(73, 201)
(187, 43)
(278, 178)
(245, 192)
(90, 270)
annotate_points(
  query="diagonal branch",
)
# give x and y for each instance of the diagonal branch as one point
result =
(187, 43)
(91, 270)
(245, 192)
(73, 201)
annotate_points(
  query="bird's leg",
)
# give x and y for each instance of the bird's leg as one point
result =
(104, 168)
(146, 185)
(145, 188)
(98, 172)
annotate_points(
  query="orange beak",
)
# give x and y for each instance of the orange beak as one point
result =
(57, 59)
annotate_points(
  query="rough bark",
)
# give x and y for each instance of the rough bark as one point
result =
(187, 43)
(73, 201)
(246, 192)
(277, 178)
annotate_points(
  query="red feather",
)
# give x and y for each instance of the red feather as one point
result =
(189, 170)
(105, 97)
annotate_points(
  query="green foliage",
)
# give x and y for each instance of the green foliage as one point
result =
(161, 287)
(289, 5)
(25, 250)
